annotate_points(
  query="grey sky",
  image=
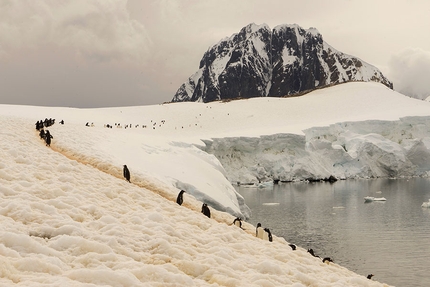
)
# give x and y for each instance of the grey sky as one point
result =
(102, 53)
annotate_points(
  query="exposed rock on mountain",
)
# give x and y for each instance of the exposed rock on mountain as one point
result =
(259, 62)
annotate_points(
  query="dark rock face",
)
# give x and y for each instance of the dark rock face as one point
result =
(259, 62)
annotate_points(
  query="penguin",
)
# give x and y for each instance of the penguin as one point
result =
(180, 197)
(48, 138)
(259, 231)
(238, 222)
(126, 173)
(292, 246)
(370, 276)
(327, 260)
(205, 210)
(311, 251)
(267, 234)
(42, 134)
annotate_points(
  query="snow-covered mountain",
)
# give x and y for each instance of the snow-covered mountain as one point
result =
(260, 62)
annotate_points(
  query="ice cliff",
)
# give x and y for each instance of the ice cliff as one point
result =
(365, 149)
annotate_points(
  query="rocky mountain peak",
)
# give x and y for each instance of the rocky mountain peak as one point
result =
(260, 62)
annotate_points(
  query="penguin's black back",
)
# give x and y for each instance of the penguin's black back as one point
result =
(239, 221)
(180, 198)
(126, 173)
(269, 234)
(205, 210)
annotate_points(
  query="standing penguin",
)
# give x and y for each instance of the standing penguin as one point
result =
(267, 234)
(180, 197)
(48, 138)
(238, 222)
(42, 134)
(205, 210)
(259, 231)
(126, 173)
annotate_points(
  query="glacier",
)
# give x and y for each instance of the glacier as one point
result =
(365, 149)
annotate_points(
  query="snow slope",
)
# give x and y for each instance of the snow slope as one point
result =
(69, 218)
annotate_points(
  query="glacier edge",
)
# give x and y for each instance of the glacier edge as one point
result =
(365, 149)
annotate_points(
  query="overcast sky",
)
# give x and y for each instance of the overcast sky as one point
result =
(101, 53)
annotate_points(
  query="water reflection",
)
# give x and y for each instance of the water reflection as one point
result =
(389, 239)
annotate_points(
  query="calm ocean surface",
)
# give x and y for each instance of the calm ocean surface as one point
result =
(390, 239)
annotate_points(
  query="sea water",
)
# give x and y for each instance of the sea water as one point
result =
(390, 239)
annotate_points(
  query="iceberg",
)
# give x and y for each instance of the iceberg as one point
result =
(371, 198)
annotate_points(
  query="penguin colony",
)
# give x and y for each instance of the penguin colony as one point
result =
(260, 232)
(46, 135)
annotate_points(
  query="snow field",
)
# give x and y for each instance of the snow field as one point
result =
(68, 223)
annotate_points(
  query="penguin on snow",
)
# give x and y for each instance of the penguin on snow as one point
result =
(259, 231)
(327, 260)
(205, 210)
(238, 222)
(126, 173)
(267, 234)
(48, 138)
(180, 198)
(311, 252)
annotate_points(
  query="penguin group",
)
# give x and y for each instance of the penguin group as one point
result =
(326, 260)
(129, 126)
(180, 198)
(262, 233)
(46, 123)
(205, 208)
(45, 135)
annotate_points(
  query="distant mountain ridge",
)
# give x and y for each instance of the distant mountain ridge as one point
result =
(260, 62)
